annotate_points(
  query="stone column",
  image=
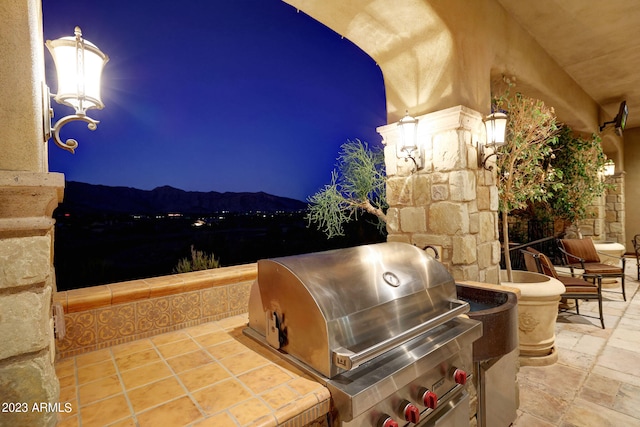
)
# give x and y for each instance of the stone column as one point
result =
(450, 203)
(27, 200)
(614, 210)
(28, 195)
(606, 221)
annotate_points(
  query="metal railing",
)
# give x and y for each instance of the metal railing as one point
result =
(546, 245)
(538, 233)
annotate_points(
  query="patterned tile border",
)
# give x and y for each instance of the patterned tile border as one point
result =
(104, 316)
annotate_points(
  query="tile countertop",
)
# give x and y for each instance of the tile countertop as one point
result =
(209, 374)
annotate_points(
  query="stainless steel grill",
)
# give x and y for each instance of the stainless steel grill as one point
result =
(379, 324)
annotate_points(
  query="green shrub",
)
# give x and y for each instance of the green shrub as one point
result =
(199, 261)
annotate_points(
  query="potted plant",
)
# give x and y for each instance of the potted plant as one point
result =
(524, 171)
(525, 175)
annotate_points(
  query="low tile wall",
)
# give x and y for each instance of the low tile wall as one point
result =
(107, 315)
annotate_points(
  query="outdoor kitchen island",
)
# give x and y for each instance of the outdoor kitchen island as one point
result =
(210, 374)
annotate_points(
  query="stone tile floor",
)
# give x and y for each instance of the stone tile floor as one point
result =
(596, 381)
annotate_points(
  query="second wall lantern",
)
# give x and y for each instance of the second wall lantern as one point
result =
(609, 168)
(496, 127)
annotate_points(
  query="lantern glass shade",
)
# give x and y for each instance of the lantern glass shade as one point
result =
(496, 125)
(79, 65)
(609, 168)
(408, 135)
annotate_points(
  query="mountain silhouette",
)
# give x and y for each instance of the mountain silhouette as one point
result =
(81, 197)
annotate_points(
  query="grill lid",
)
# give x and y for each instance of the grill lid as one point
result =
(337, 309)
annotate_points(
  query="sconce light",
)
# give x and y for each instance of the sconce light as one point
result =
(496, 126)
(408, 147)
(620, 120)
(79, 65)
(609, 168)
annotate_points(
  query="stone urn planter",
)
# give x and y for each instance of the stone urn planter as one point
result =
(537, 315)
(610, 253)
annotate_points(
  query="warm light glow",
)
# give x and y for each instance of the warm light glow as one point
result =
(609, 168)
(79, 65)
(408, 135)
(496, 125)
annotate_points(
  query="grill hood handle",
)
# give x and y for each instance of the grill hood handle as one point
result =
(433, 248)
(346, 359)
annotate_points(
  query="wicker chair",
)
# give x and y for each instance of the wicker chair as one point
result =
(576, 288)
(581, 253)
(636, 248)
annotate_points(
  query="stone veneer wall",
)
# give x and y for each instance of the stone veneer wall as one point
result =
(614, 210)
(594, 226)
(27, 376)
(103, 316)
(450, 203)
(607, 216)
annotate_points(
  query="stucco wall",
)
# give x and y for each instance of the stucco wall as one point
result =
(21, 133)
(436, 54)
(632, 189)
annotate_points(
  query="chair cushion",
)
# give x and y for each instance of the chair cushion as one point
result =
(599, 268)
(575, 285)
(581, 248)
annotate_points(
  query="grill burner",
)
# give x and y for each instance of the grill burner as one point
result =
(379, 325)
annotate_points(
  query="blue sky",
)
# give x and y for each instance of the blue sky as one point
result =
(212, 95)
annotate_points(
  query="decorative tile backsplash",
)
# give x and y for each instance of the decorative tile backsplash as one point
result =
(99, 324)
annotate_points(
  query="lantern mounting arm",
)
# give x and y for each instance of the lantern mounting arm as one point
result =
(71, 144)
(54, 131)
(485, 159)
(412, 157)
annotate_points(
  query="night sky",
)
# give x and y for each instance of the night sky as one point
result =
(213, 95)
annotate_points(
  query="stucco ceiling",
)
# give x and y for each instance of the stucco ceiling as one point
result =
(596, 42)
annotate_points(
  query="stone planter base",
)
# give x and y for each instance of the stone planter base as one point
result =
(537, 315)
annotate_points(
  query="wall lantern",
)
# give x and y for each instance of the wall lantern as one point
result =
(408, 147)
(620, 120)
(79, 65)
(609, 168)
(496, 127)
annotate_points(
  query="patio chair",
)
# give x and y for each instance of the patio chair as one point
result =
(581, 253)
(576, 288)
(636, 248)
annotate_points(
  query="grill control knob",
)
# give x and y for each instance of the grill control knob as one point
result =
(387, 421)
(428, 398)
(460, 376)
(410, 412)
